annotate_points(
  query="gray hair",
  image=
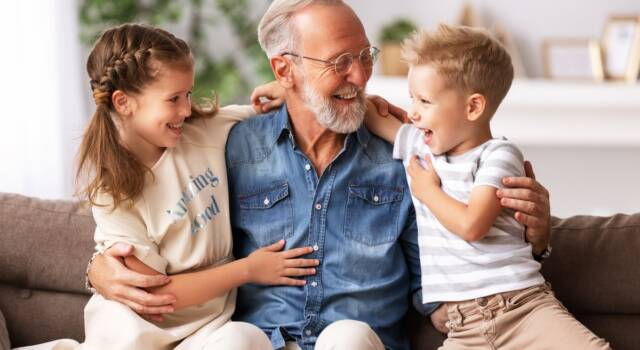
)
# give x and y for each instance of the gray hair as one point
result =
(276, 33)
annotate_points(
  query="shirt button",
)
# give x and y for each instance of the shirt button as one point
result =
(376, 199)
(315, 247)
(318, 206)
(307, 332)
(314, 284)
(307, 166)
(266, 201)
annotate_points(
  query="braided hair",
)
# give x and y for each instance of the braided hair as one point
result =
(124, 58)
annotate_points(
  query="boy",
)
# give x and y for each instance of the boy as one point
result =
(473, 253)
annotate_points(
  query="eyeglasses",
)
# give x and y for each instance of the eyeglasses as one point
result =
(342, 64)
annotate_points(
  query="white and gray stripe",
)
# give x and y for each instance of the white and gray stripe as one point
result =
(452, 268)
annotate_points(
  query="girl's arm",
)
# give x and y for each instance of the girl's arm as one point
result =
(470, 222)
(267, 266)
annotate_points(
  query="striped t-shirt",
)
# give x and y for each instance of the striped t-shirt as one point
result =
(452, 268)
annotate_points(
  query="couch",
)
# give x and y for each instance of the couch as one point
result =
(45, 244)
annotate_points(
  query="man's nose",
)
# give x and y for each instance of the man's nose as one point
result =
(358, 74)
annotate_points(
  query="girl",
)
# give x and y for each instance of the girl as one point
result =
(158, 182)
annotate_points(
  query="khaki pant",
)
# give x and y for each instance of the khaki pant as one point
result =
(345, 335)
(531, 318)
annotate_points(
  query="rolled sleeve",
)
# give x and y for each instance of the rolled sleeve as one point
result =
(126, 226)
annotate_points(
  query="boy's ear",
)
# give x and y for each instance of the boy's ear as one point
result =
(122, 103)
(476, 105)
(282, 70)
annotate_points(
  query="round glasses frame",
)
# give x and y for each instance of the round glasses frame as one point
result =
(342, 64)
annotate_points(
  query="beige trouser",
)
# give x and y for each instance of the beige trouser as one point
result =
(345, 335)
(531, 318)
(231, 336)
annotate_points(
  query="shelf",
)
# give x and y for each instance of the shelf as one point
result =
(553, 113)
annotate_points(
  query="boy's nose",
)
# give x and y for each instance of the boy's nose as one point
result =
(413, 115)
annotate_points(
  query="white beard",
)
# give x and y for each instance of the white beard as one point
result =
(336, 118)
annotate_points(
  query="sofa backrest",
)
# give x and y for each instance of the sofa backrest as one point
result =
(44, 248)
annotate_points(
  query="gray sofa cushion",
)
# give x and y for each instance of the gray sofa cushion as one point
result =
(46, 244)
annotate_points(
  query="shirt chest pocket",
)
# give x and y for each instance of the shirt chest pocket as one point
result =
(372, 214)
(267, 215)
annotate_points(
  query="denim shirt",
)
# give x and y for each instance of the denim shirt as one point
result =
(357, 216)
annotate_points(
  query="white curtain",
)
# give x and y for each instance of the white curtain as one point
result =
(43, 96)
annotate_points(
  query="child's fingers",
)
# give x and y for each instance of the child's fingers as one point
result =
(381, 104)
(399, 113)
(296, 252)
(275, 247)
(269, 105)
(292, 281)
(427, 160)
(301, 262)
(293, 272)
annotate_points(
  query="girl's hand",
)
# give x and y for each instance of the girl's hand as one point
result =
(423, 179)
(267, 96)
(270, 265)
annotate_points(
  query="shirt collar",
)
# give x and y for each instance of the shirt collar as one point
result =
(282, 124)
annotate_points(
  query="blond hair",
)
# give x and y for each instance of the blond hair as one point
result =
(467, 58)
(124, 58)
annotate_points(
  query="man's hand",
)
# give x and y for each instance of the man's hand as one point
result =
(530, 200)
(385, 108)
(114, 281)
(439, 319)
(267, 97)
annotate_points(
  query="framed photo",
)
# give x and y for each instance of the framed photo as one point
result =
(575, 59)
(621, 47)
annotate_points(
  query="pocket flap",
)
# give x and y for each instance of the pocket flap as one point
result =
(265, 199)
(377, 195)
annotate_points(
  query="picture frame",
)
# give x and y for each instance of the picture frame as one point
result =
(573, 59)
(621, 48)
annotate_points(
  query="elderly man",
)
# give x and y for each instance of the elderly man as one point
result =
(312, 174)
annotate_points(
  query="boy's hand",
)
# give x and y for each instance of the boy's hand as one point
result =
(423, 179)
(270, 265)
(439, 319)
(267, 96)
(384, 108)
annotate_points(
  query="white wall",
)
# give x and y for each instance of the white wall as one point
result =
(528, 21)
(41, 97)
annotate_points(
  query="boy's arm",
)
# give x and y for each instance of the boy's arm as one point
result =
(470, 222)
(384, 127)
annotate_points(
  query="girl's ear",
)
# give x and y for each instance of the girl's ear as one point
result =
(282, 70)
(476, 105)
(122, 103)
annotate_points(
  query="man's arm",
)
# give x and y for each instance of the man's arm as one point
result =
(109, 276)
